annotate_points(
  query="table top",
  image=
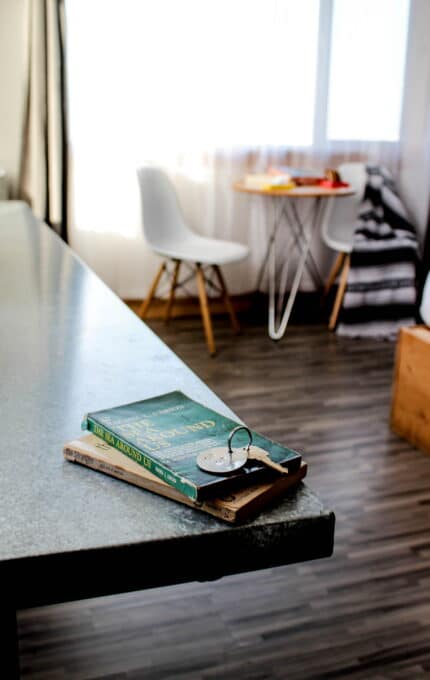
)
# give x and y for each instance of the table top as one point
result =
(297, 192)
(70, 346)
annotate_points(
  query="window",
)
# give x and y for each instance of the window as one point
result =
(368, 48)
(240, 73)
(197, 72)
(210, 90)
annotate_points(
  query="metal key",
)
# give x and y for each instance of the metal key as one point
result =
(261, 456)
(221, 461)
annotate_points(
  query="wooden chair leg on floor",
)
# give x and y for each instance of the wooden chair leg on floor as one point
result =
(334, 271)
(227, 301)
(172, 290)
(204, 307)
(145, 304)
(340, 293)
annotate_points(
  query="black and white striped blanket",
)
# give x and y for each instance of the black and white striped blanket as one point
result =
(381, 293)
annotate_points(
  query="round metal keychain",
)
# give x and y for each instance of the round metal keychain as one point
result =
(221, 460)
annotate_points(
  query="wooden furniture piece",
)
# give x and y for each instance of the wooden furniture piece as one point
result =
(301, 234)
(69, 345)
(410, 409)
(168, 235)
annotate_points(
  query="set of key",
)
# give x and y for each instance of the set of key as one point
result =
(222, 460)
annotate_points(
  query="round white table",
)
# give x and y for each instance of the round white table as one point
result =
(302, 232)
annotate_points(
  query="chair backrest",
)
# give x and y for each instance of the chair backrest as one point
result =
(425, 302)
(338, 226)
(162, 219)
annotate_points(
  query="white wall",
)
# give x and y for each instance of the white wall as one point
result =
(414, 182)
(12, 85)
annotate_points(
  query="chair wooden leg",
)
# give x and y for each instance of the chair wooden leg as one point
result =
(227, 301)
(172, 290)
(145, 304)
(340, 293)
(204, 307)
(334, 271)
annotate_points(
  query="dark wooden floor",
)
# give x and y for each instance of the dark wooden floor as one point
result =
(364, 613)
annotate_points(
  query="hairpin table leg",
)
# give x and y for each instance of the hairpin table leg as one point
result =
(276, 331)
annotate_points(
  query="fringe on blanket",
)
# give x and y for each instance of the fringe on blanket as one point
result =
(381, 292)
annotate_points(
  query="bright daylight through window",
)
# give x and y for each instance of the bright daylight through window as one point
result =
(367, 69)
(161, 79)
(199, 73)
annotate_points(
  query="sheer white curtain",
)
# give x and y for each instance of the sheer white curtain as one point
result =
(43, 177)
(212, 90)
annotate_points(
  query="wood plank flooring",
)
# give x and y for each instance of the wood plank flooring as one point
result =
(364, 613)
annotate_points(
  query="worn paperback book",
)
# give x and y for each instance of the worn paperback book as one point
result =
(90, 451)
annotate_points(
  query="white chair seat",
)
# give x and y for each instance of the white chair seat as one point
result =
(341, 246)
(337, 230)
(425, 303)
(338, 226)
(196, 248)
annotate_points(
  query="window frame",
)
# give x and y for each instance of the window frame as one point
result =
(320, 134)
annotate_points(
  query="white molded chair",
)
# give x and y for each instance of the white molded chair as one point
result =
(168, 235)
(337, 230)
(425, 302)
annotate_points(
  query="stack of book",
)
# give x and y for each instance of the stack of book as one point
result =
(285, 177)
(154, 444)
(269, 181)
(298, 176)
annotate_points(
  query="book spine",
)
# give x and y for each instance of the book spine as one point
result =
(143, 459)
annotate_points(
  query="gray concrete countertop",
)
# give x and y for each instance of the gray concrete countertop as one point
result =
(68, 345)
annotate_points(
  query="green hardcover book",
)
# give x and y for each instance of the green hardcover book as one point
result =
(166, 433)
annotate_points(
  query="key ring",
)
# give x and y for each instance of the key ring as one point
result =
(221, 460)
(233, 432)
